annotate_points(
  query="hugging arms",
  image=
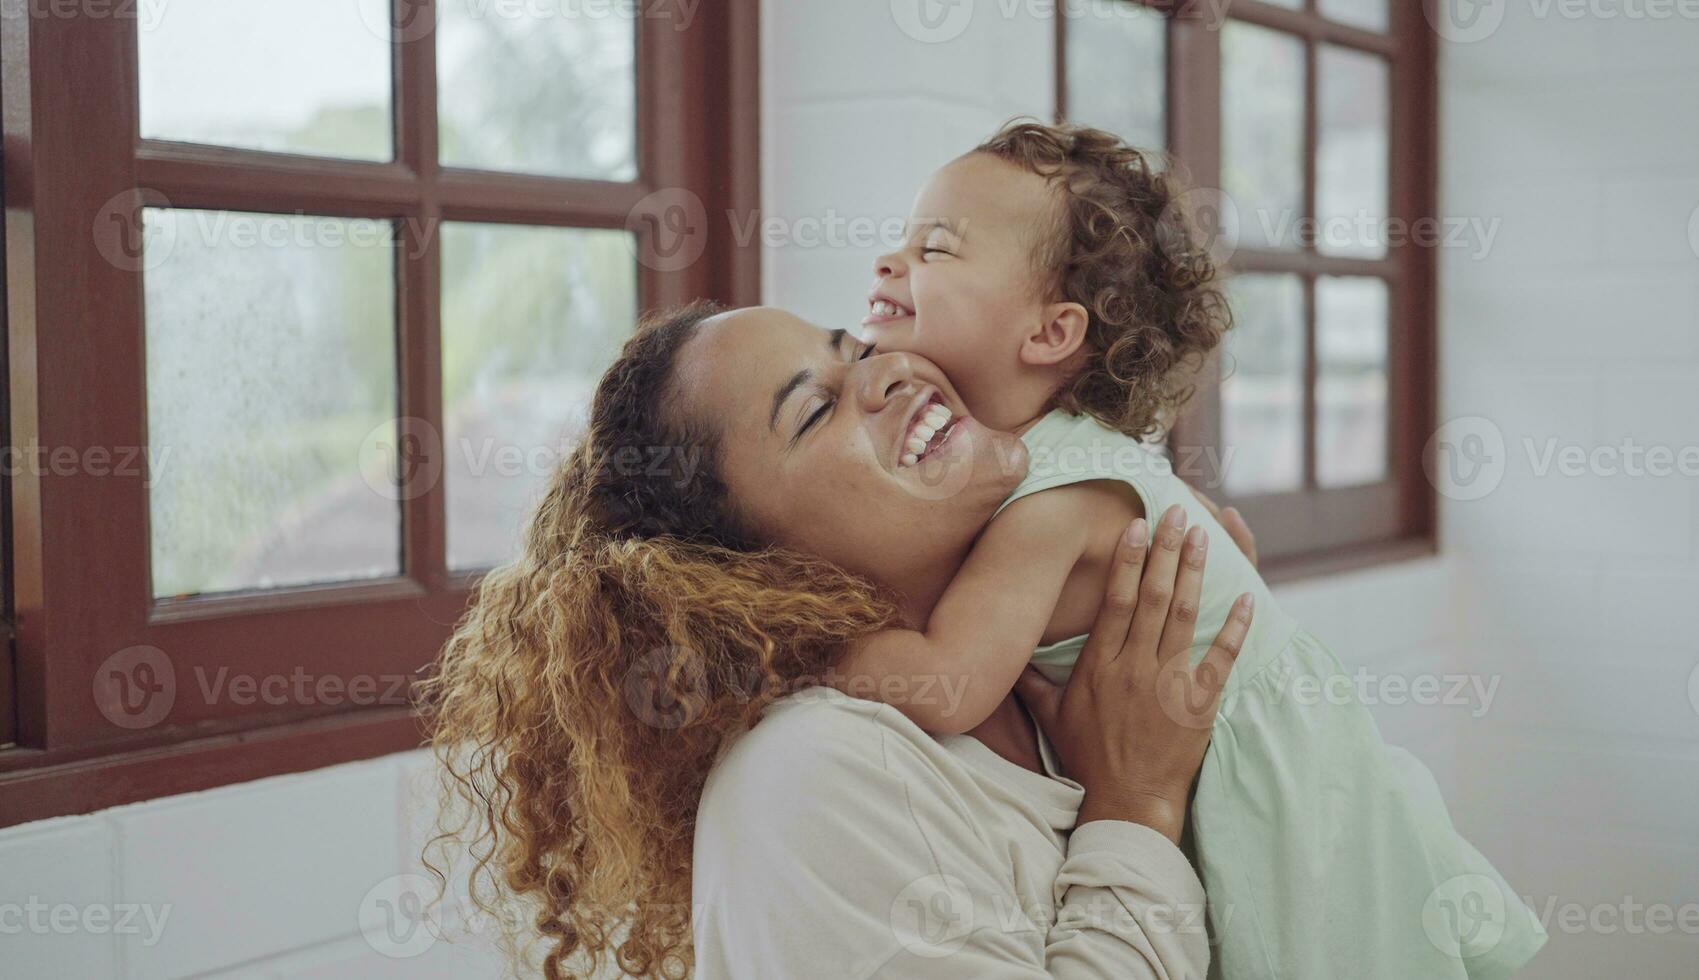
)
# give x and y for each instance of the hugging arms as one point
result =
(653, 621)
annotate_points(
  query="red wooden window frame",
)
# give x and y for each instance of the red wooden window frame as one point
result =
(1317, 529)
(76, 369)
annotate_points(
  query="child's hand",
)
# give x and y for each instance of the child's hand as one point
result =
(1134, 721)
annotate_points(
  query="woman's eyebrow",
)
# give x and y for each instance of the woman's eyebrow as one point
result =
(834, 340)
(796, 381)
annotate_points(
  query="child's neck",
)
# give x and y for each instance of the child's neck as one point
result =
(1016, 404)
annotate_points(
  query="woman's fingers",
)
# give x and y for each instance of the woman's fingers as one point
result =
(1231, 638)
(1188, 591)
(1156, 589)
(1120, 598)
(1190, 695)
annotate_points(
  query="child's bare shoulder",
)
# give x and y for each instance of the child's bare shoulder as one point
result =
(1074, 510)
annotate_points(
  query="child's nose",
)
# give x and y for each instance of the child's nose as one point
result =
(888, 266)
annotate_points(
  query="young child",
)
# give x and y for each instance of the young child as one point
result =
(1046, 273)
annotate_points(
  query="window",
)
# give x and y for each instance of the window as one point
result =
(1306, 128)
(304, 300)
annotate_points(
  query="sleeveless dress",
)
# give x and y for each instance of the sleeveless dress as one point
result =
(1326, 854)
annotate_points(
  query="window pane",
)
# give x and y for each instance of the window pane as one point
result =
(1118, 70)
(1351, 328)
(531, 317)
(1262, 392)
(1370, 14)
(306, 76)
(1352, 152)
(1262, 132)
(539, 88)
(270, 358)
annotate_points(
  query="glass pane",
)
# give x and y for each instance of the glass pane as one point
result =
(270, 360)
(1352, 152)
(1262, 391)
(531, 317)
(1262, 132)
(1351, 328)
(307, 76)
(1118, 70)
(538, 88)
(1368, 14)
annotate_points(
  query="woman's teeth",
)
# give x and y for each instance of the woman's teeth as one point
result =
(884, 307)
(928, 424)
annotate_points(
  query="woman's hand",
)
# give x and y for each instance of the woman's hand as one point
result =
(1133, 722)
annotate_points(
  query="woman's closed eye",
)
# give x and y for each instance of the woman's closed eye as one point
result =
(828, 402)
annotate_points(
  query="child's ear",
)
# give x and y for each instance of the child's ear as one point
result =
(1059, 334)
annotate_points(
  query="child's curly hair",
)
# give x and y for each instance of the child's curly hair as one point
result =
(1127, 251)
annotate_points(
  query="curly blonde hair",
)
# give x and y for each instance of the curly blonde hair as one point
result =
(581, 701)
(1125, 248)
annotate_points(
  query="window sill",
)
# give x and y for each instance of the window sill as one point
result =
(1299, 568)
(44, 786)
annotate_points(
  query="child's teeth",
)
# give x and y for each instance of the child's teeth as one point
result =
(915, 445)
(909, 459)
(937, 415)
(925, 432)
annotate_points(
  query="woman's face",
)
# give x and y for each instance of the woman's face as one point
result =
(818, 445)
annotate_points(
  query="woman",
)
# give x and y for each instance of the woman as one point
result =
(730, 521)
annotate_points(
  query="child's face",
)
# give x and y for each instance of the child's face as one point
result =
(963, 290)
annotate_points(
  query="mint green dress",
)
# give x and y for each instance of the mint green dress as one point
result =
(1326, 853)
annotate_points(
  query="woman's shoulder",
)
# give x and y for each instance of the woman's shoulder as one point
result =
(818, 750)
(819, 725)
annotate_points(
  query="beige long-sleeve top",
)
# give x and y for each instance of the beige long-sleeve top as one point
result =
(837, 840)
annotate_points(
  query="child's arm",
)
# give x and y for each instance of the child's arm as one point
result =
(984, 629)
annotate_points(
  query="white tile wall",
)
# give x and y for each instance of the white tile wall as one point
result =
(262, 879)
(1581, 591)
(1580, 596)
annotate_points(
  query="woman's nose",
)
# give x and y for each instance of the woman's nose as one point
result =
(881, 378)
